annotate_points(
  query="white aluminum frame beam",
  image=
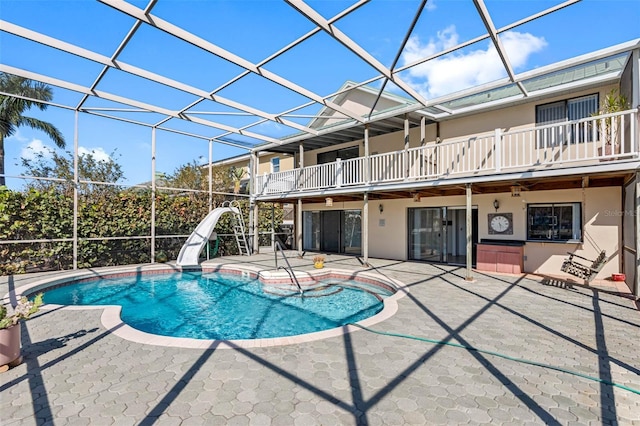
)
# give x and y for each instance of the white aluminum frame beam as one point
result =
(486, 36)
(140, 72)
(126, 101)
(493, 33)
(341, 37)
(190, 38)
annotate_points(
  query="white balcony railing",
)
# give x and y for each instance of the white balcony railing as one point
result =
(588, 141)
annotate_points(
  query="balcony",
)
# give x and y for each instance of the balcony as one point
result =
(591, 141)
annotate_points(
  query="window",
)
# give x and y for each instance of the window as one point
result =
(343, 154)
(561, 112)
(554, 222)
(275, 164)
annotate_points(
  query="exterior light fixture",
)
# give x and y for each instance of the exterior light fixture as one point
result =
(416, 197)
(328, 201)
(515, 190)
(496, 204)
(381, 208)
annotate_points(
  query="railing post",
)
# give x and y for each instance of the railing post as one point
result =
(263, 190)
(498, 149)
(635, 131)
(405, 153)
(301, 165)
(338, 173)
(367, 160)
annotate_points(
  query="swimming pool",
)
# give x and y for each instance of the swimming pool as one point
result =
(219, 306)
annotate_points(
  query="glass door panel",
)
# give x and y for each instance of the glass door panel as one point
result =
(352, 234)
(426, 236)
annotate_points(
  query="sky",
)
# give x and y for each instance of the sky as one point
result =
(255, 30)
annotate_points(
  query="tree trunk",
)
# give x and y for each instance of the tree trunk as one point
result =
(2, 181)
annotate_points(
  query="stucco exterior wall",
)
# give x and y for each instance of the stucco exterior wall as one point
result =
(506, 119)
(264, 163)
(601, 219)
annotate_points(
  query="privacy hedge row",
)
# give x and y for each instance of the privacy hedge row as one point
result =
(48, 214)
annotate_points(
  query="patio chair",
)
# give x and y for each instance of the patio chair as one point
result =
(580, 270)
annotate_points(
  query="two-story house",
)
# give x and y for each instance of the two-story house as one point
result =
(509, 177)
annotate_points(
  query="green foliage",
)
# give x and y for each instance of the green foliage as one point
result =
(44, 210)
(12, 110)
(22, 312)
(60, 166)
(48, 214)
(613, 102)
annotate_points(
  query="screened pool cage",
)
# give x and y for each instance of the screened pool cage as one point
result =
(71, 223)
(211, 96)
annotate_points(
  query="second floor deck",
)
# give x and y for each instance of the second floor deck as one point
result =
(592, 141)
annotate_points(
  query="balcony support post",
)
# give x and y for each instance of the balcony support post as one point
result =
(636, 282)
(405, 154)
(367, 162)
(299, 227)
(469, 276)
(365, 229)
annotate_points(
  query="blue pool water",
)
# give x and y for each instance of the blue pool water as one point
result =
(221, 306)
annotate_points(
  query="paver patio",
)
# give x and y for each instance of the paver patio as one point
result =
(77, 372)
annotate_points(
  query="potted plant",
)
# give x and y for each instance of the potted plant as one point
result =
(10, 330)
(610, 127)
(318, 261)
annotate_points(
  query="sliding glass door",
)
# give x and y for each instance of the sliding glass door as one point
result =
(439, 234)
(333, 231)
(426, 240)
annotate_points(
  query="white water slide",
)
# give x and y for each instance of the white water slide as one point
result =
(190, 251)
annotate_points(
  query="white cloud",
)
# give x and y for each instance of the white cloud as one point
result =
(18, 136)
(99, 154)
(461, 70)
(431, 5)
(35, 149)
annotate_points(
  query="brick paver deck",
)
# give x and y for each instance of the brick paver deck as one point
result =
(76, 372)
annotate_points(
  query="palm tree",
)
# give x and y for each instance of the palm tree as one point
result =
(12, 109)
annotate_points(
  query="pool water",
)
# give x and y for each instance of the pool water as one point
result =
(223, 306)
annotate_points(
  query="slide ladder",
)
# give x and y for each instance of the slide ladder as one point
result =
(238, 228)
(190, 251)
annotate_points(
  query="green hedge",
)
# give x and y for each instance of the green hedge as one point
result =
(47, 214)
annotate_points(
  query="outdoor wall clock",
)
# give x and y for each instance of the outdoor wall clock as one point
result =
(500, 223)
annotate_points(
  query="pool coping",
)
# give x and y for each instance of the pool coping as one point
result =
(111, 320)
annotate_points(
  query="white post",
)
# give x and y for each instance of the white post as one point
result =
(498, 149)
(253, 192)
(301, 165)
(299, 227)
(338, 173)
(256, 228)
(405, 154)
(75, 192)
(153, 195)
(365, 229)
(635, 101)
(636, 281)
(367, 162)
(210, 174)
(469, 276)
